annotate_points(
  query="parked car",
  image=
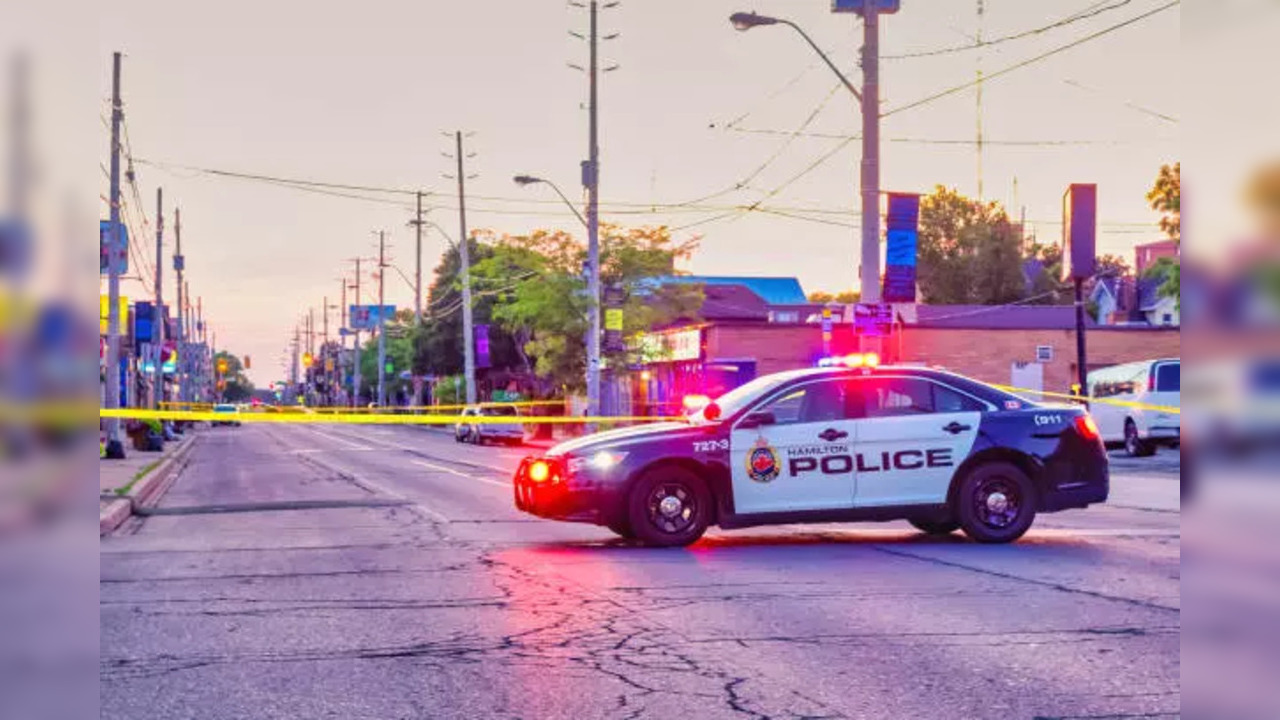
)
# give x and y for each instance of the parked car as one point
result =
(229, 411)
(474, 430)
(1137, 391)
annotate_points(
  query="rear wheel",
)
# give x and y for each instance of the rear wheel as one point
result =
(996, 503)
(669, 506)
(932, 527)
(1134, 445)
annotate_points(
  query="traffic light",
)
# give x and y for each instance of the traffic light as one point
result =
(307, 359)
(222, 366)
(247, 364)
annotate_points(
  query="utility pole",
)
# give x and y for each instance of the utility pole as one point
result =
(417, 266)
(355, 378)
(382, 320)
(591, 181)
(324, 333)
(870, 274)
(417, 294)
(203, 371)
(114, 445)
(184, 392)
(342, 337)
(311, 331)
(464, 255)
(157, 311)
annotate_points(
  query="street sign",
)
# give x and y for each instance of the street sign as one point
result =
(119, 254)
(883, 7)
(369, 317)
(103, 304)
(872, 320)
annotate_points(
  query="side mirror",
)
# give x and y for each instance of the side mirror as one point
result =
(757, 419)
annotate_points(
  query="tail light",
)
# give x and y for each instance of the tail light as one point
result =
(539, 471)
(1086, 427)
(1151, 380)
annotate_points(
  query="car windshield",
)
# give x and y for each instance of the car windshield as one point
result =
(743, 395)
(499, 411)
(224, 408)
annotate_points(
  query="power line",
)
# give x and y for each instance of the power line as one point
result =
(1029, 61)
(937, 141)
(1093, 11)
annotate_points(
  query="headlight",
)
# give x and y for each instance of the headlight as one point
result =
(602, 461)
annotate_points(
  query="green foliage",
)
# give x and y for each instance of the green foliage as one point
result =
(1166, 198)
(844, 297)
(969, 251)
(539, 292)
(1169, 272)
(238, 388)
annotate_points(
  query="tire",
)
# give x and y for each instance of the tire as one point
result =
(932, 527)
(996, 503)
(1134, 445)
(660, 523)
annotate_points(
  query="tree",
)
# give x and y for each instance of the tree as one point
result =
(969, 251)
(540, 292)
(234, 386)
(844, 297)
(1166, 198)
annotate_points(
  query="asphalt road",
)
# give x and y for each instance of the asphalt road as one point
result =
(409, 587)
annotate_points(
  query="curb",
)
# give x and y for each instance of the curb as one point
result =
(147, 490)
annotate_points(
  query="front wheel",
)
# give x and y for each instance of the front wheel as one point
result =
(996, 503)
(1134, 445)
(930, 527)
(669, 507)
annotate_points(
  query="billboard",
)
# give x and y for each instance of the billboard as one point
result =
(901, 237)
(482, 346)
(369, 317)
(1079, 231)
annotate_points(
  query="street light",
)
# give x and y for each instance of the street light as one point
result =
(593, 288)
(531, 180)
(745, 21)
(869, 99)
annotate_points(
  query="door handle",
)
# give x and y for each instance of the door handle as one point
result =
(831, 434)
(955, 428)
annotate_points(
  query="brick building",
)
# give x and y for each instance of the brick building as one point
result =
(741, 337)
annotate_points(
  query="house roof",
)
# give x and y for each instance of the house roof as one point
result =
(998, 317)
(773, 290)
(732, 302)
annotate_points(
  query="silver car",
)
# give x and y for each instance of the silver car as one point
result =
(474, 430)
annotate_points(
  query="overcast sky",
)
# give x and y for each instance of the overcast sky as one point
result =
(360, 93)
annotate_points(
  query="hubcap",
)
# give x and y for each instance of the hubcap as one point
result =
(997, 502)
(671, 507)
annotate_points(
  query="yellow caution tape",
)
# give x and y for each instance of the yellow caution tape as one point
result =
(307, 416)
(1084, 398)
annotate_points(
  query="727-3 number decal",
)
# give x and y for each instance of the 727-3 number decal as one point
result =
(710, 445)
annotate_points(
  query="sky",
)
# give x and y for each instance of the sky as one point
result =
(370, 93)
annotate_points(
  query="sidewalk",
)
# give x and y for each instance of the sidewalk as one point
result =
(137, 479)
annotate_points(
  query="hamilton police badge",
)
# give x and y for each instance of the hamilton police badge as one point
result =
(763, 464)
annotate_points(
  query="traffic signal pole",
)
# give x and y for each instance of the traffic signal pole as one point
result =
(157, 311)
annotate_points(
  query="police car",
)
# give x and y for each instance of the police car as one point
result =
(853, 441)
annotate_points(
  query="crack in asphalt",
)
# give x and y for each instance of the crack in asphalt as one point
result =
(1032, 581)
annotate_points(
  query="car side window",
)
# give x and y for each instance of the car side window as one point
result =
(896, 397)
(825, 401)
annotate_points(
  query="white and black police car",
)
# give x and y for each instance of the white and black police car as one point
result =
(850, 442)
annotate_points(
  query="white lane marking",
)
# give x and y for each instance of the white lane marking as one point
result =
(496, 468)
(451, 471)
(350, 445)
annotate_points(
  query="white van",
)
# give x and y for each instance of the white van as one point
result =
(1149, 382)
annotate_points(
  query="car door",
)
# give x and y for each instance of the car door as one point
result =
(914, 435)
(793, 451)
